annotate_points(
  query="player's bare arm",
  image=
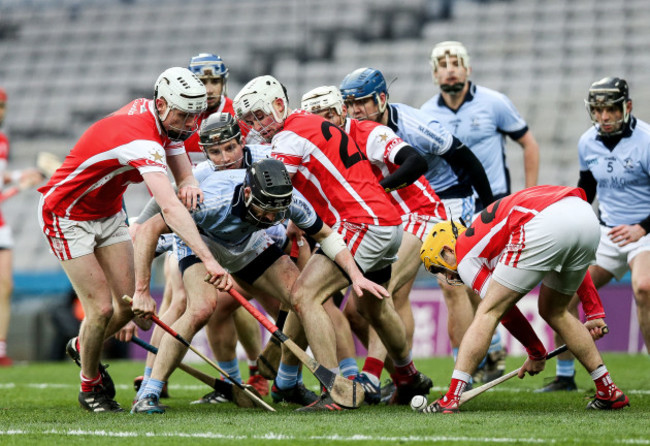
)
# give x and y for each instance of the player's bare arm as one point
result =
(531, 158)
(189, 191)
(334, 247)
(144, 252)
(178, 219)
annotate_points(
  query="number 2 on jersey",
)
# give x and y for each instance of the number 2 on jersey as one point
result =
(347, 159)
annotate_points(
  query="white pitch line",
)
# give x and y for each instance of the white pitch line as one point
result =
(284, 437)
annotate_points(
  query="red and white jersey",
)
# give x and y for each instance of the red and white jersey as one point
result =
(331, 172)
(381, 145)
(113, 153)
(192, 143)
(497, 234)
(4, 159)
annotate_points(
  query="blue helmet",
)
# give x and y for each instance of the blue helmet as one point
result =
(363, 83)
(209, 65)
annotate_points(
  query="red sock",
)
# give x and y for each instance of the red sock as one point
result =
(88, 384)
(404, 374)
(252, 370)
(605, 387)
(373, 366)
(456, 388)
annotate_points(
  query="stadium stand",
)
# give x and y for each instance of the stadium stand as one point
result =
(66, 63)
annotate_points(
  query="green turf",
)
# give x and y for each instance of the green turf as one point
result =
(38, 406)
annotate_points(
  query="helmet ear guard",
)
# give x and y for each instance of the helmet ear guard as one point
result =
(443, 235)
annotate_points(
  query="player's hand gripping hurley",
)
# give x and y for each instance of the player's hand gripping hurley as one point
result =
(466, 396)
(343, 391)
(231, 392)
(184, 341)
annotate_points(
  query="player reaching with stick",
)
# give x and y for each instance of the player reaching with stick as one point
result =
(336, 177)
(545, 234)
(398, 168)
(82, 219)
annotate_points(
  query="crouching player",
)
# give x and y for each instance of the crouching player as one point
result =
(544, 233)
(238, 206)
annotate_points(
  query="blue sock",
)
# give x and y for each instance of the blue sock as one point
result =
(495, 344)
(565, 367)
(145, 378)
(153, 387)
(349, 367)
(287, 376)
(454, 352)
(231, 368)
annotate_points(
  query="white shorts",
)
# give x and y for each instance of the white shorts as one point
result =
(617, 259)
(458, 208)
(373, 247)
(6, 239)
(70, 239)
(233, 257)
(557, 245)
(419, 225)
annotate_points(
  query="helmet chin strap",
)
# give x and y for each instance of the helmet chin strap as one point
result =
(453, 88)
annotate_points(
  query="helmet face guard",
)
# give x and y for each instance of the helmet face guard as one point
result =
(445, 50)
(610, 92)
(218, 129)
(259, 94)
(181, 129)
(362, 84)
(270, 193)
(185, 94)
(443, 234)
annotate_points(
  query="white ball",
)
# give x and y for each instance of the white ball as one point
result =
(418, 403)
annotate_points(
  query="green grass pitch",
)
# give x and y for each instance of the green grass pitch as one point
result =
(38, 405)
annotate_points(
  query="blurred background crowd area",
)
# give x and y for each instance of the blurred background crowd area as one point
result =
(67, 63)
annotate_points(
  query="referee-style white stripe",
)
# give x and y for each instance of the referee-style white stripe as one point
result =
(283, 437)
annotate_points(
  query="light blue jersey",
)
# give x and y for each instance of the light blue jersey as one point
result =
(481, 123)
(426, 135)
(220, 216)
(622, 174)
(252, 154)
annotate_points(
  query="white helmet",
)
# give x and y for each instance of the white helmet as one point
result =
(322, 98)
(259, 94)
(449, 48)
(182, 90)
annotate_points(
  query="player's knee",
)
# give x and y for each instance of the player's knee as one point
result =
(641, 287)
(199, 315)
(100, 313)
(178, 305)
(300, 300)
